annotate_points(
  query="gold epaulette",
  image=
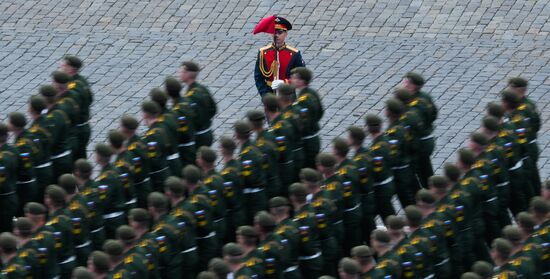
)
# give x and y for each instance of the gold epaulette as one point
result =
(291, 48)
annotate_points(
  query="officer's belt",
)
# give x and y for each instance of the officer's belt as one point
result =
(157, 171)
(191, 143)
(400, 167)
(203, 131)
(491, 199)
(217, 220)
(47, 164)
(7, 194)
(517, 165)
(97, 230)
(533, 141)
(297, 149)
(194, 248)
(68, 260)
(311, 136)
(211, 234)
(288, 162)
(113, 215)
(305, 258)
(337, 222)
(385, 181)
(442, 262)
(290, 269)
(25, 182)
(143, 181)
(427, 137)
(429, 276)
(82, 124)
(85, 244)
(61, 155)
(132, 201)
(173, 156)
(252, 190)
(353, 208)
(503, 184)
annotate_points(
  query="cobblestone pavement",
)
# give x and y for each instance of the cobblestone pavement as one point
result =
(358, 50)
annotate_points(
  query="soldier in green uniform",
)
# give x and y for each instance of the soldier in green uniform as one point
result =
(523, 253)
(184, 212)
(383, 185)
(124, 167)
(78, 211)
(88, 194)
(232, 188)
(247, 237)
(157, 144)
(67, 100)
(233, 255)
(137, 151)
(135, 256)
(419, 239)
(364, 256)
(311, 108)
(45, 240)
(388, 261)
(98, 264)
(8, 177)
(26, 149)
(414, 82)
(400, 143)
(27, 248)
(349, 269)
(119, 267)
(82, 273)
(71, 66)
(483, 269)
(185, 115)
(42, 136)
(284, 137)
(60, 222)
(266, 143)
(538, 234)
(168, 234)
(139, 219)
(169, 121)
(412, 260)
(58, 125)
(202, 102)
(110, 190)
(218, 267)
(270, 243)
(501, 250)
(13, 267)
(292, 113)
(207, 242)
(529, 109)
(253, 175)
(214, 183)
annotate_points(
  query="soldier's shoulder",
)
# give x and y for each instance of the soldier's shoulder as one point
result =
(291, 48)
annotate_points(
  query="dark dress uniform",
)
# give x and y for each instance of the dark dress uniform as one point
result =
(184, 213)
(364, 163)
(274, 256)
(233, 194)
(168, 120)
(266, 70)
(29, 257)
(265, 141)
(284, 136)
(85, 98)
(157, 151)
(254, 179)
(27, 150)
(41, 161)
(45, 244)
(111, 197)
(167, 234)
(383, 185)
(78, 212)
(59, 224)
(352, 211)
(214, 184)
(292, 115)
(185, 116)
(530, 112)
(326, 213)
(59, 126)
(311, 110)
(390, 264)
(90, 196)
(205, 110)
(149, 245)
(137, 150)
(207, 242)
(461, 253)
(399, 140)
(290, 238)
(69, 103)
(135, 263)
(8, 198)
(424, 105)
(485, 170)
(16, 268)
(124, 168)
(310, 258)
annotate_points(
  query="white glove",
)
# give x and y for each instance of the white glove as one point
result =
(276, 83)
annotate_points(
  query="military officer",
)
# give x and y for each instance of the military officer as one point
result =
(82, 273)
(27, 249)
(364, 256)
(233, 255)
(139, 219)
(501, 250)
(247, 237)
(349, 269)
(67, 100)
(8, 177)
(412, 260)
(202, 102)
(218, 267)
(276, 60)
(270, 243)
(135, 256)
(119, 268)
(98, 264)
(291, 112)
(124, 167)
(157, 144)
(483, 269)
(12, 266)
(388, 261)
(419, 239)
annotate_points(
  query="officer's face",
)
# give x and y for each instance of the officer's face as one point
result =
(280, 36)
(296, 81)
(407, 84)
(67, 68)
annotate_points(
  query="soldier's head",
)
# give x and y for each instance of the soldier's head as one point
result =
(82, 273)
(373, 123)
(414, 216)
(23, 227)
(490, 126)
(452, 172)
(36, 212)
(227, 146)
(483, 269)
(256, 118)
(311, 179)
(139, 219)
(49, 93)
(189, 71)
(206, 158)
(496, 110)
(395, 225)
(60, 81)
(501, 250)
(219, 267)
(37, 104)
(271, 105)
(286, 94)
(300, 77)
(172, 86)
(326, 163)
(363, 254)
(510, 100)
(438, 185)
(3, 133)
(191, 176)
(546, 190)
(478, 142)
(233, 255)
(17, 122)
(512, 233)
(128, 125)
(157, 204)
(246, 236)
(83, 169)
(115, 250)
(151, 112)
(159, 97)
(349, 269)
(279, 207)
(68, 182)
(103, 153)
(518, 85)
(55, 197)
(380, 241)
(402, 94)
(340, 148)
(174, 188)
(71, 65)
(242, 129)
(526, 223)
(8, 244)
(540, 208)
(116, 140)
(264, 223)
(297, 193)
(207, 275)
(470, 275)
(413, 82)
(282, 26)
(126, 235)
(356, 136)
(425, 201)
(98, 263)
(466, 158)
(394, 109)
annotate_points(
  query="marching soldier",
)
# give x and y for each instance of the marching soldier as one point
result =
(233, 255)
(98, 264)
(42, 136)
(501, 250)
(419, 239)
(67, 100)
(483, 269)
(27, 248)
(71, 66)
(157, 144)
(412, 260)
(388, 260)
(275, 255)
(138, 152)
(119, 268)
(185, 115)
(135, 256)
(364, 256)
(124, 167)
(202, 102)
(12, 266)
(311, 108)
(292, 113)
(247, 237)
(139, 220)
(218, 267)
(349, 269)
(8, 177)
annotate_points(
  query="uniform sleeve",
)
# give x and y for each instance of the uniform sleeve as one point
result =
(261, 85)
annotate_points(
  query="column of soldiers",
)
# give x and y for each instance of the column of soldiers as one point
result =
(278, 208)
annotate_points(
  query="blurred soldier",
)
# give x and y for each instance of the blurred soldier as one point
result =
(41, 135)
(123, 165)
(8, 177)
(157, 143)
(233, 255)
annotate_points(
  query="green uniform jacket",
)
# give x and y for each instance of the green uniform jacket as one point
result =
(203, 104)
(309, 99)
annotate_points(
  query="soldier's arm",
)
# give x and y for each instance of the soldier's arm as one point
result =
(261, 85)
